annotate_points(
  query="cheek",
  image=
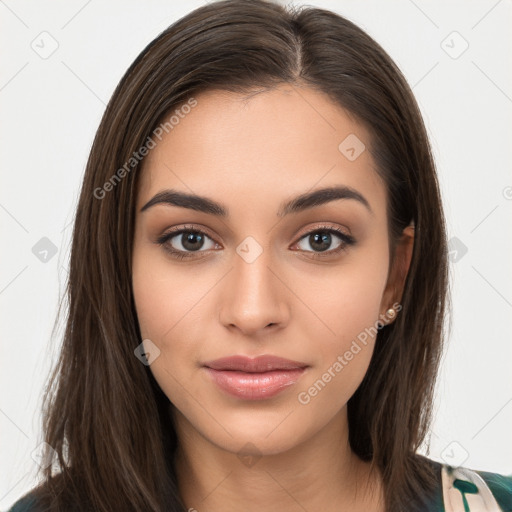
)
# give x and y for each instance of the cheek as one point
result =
(158, 312)
(169, 311)
(343, 331)
(165, 296)
(342, 301)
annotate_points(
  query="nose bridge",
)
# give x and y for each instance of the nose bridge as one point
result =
(254, 296)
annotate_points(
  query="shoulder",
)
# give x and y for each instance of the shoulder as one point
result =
(58, 494)
(29, 502)
(461, 486)
(492, 488)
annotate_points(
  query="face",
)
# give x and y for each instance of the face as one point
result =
(307, 283)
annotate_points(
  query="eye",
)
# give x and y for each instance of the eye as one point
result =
(321, 238)
(187, 241)
(184, 242)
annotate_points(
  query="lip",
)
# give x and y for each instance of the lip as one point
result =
(254, 379)
(264, 363)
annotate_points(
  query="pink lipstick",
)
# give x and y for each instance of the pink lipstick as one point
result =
(254, 379)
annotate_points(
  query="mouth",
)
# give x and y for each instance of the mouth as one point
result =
(260, 364)
(254, 379)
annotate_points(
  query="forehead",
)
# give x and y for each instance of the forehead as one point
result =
(271, 143)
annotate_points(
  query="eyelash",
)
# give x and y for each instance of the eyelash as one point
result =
(346, 241)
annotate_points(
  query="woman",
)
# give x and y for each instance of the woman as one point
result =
(258, 283)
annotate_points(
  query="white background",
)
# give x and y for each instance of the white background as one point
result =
(51, 108)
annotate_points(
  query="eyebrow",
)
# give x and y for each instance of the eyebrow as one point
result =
(298, 204)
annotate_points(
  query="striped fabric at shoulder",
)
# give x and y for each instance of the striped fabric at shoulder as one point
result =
(467, 490)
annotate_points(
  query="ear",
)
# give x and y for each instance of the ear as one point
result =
(398, 273)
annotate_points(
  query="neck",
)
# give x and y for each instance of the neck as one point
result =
(319, 473)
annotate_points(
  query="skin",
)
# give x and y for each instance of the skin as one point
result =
(252, 155)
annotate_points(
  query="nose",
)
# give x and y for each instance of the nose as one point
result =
(253, 298)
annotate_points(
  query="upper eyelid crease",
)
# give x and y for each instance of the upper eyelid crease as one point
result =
(300, 203)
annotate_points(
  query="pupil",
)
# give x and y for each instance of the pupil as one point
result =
(191, 240)
(321, 239)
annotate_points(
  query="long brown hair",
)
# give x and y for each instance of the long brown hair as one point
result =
(103, 413)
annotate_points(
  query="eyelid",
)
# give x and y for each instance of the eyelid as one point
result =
(324, 226)
(186, 228)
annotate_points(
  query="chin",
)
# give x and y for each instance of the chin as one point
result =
(268, 434)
